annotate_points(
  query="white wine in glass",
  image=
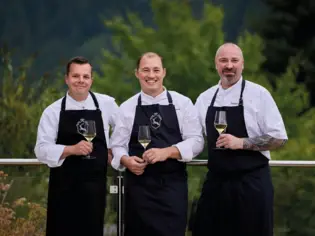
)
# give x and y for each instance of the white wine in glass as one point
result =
(220, 123)
(89, 137)
(220, 127)
(89, 134)
(144, 135)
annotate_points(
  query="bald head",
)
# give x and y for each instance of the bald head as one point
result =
(229, 63)
(229, 47)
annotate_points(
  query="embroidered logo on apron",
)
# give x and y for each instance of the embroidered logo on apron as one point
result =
(82, 126)
(156, 120)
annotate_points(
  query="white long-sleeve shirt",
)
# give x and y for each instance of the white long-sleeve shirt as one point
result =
(46, 149)
(261, 113)
(188, 120)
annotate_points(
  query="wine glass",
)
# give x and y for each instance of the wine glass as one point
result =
(89, 134)
(144, 135)
(220, 123)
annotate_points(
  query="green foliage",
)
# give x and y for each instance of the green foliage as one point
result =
(21, 106)
(43, 26)
(19, 217)
(185, 43)
(295, 187)
(285, 30)
(188, 46)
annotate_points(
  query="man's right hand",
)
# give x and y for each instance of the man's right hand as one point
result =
(82, 148)
(135, 164)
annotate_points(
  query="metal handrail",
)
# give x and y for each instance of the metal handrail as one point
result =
(195, 162)
(13, 161)
(119, 188)
(293, 163)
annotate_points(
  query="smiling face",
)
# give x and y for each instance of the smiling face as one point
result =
(229, 64)
(151, 73)
(79, 80)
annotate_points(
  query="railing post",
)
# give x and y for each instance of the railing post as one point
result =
(120, 224)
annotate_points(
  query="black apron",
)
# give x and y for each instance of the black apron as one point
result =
(237, 196)
(156, 201)
(77, 189)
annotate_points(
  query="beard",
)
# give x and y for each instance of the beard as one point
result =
(228, 80)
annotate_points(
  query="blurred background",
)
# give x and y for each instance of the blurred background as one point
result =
(37, 38)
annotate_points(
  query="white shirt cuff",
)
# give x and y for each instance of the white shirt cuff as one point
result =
(118, 167)
(118, 153)
(185, 151)
(53, 156)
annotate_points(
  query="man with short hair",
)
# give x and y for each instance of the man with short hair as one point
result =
(237, 196)
(156, 178)
(77, 182)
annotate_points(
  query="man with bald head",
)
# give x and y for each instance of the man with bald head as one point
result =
(156, 194)
(237, 195)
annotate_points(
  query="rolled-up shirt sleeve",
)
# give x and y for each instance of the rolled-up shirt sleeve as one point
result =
(269, 118)
(193, 141)
(46, 149)
(120, 139)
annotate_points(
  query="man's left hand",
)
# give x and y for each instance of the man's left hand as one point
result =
(154, 155)
(229, 141)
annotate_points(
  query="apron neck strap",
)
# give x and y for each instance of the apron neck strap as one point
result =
(240, 103)
(63, 103)
(214, 97)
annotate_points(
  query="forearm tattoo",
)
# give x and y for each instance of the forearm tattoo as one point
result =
(263, 143)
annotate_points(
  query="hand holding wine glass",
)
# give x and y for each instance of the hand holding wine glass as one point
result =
(220, 123)
(89, 134)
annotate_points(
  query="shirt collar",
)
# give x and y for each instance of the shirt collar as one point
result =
(159, 97)
(235, 86)
(75, 101)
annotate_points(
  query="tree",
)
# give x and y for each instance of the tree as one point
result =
(188, 46)
(286, 32)
(21, 106)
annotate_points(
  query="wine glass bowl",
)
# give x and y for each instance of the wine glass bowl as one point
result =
(220, 123)
(89, 134)
(144, 135)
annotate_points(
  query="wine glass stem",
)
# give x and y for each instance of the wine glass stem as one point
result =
(88, 155)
